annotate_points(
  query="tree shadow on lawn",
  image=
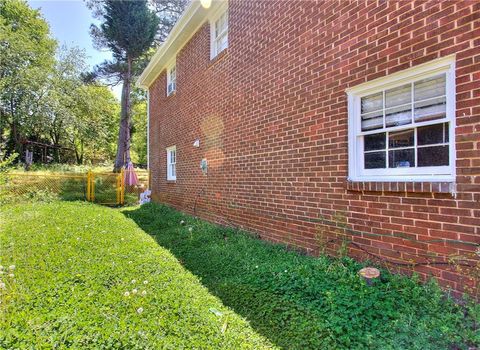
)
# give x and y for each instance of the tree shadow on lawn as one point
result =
(301, 302)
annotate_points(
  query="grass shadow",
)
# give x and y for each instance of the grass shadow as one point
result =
(301, 302)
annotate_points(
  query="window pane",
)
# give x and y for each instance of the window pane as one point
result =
(222, 43)
(372, 103)
(430, 109)
(398, 116)
(433, 156)
(403, 158)
(372, 121)
(401, 139)
(374, 142)
(429, 88)
(171, 87)
(398, 96)
(432, 134)
(221, 25)
(375, 160)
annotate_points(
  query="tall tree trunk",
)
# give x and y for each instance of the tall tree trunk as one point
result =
(15, 136)
(16, 140)
(79, 153)
(123, 143)
(55, 137)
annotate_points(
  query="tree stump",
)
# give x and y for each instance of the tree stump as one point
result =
(369, 274)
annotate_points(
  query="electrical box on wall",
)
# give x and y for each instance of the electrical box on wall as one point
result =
(204, 166)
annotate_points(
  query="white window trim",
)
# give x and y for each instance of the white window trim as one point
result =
(213, 20)
(170, 176)
(172, 65)
(356, 171)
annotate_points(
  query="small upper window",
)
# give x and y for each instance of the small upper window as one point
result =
(401, 127)
(172, 163)
(171, 79)
(219, 34)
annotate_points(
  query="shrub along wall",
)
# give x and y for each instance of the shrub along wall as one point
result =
(271, 116)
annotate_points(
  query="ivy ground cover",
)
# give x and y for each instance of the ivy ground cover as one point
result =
(302, 302)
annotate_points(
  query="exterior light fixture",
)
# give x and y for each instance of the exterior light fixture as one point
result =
(196, 143)
(206, 3)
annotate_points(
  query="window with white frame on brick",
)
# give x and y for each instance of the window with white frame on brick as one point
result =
(172, 163)
(402, 127)
(219, 33)
(171, 79)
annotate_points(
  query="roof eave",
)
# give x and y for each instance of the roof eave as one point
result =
(192, 18)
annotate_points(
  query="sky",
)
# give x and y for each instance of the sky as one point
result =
(69, 22)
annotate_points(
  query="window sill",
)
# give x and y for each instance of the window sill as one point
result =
(171, 181)
(399, 186)
(218, 57)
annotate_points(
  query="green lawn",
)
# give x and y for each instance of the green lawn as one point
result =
(75, 263)
(300, 302)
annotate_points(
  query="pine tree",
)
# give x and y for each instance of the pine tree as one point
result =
(128, 30)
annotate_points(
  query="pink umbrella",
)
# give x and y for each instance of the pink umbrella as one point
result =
(131, 178)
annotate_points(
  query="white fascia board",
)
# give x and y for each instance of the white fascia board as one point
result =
(192, 18)
(148, 130)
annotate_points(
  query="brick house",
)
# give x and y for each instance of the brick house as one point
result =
(322, 123)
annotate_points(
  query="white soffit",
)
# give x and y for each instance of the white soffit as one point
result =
(192, 18)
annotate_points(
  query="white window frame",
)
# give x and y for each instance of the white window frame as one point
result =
(171, 175)
(214, 39)
(171, 78)
(356, 170)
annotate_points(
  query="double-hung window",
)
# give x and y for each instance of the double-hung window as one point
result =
(172, 163)
(219, 33)
(171, 79)
(402, 127)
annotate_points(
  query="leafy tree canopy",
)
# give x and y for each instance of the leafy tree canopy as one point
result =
(26, 60)
(45, 95)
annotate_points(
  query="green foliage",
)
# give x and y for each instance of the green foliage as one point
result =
(301, 302)
(81, 116)
(30, 195)
(7, 163)
(65, 168)
(74, 263)
(139, 131)
(129, 27)
(26, 59)
(43, 95)
(96, 124)
(42, 195)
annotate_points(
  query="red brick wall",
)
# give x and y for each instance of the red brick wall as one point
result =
(271, 116)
